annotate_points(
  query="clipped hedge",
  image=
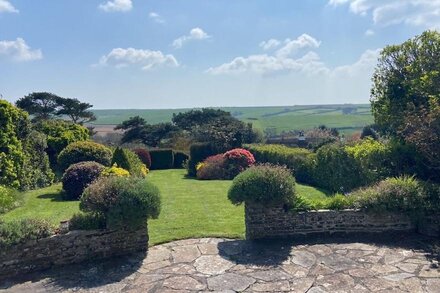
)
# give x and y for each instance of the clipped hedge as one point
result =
(84, 151)
(128, 160)
(299, 160)
(124, 202)
(179, 159)
(264, 184)
(198, 153)
(78, 176)
(162, 159)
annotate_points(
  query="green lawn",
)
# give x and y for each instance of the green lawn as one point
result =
(190, 208)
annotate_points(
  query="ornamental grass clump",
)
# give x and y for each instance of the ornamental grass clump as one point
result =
(124, 202)
(267, 185)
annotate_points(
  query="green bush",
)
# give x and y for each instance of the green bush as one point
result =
(60, 133)
(78, 176)
(36, 172)
(21, 231)
(123, 201)
(9, 199)
(179, 159)
(401, 195)
(144, 155)
(87, 221)
(299, 160)
(336, 170)
(162, 159)
(83, 151)
(198, 153)
(265, 185)
(128, 160)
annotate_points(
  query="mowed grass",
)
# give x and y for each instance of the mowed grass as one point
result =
(190, 208)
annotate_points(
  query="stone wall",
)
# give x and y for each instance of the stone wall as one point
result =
(275, 222)
(429, 225)
(72, 247)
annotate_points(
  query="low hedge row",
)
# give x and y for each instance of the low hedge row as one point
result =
(162, 159)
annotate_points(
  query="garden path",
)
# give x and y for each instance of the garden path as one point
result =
(401, 264)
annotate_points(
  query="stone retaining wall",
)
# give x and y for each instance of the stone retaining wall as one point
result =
(275, 222)
(72, 247)
(429, 225)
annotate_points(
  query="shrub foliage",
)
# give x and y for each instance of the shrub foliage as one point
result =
(162, 159)
(78, 176)
(129, 161)
(144, 155)
(84, 151)
(21, 231)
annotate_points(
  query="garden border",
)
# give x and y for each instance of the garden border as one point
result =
(69, 248)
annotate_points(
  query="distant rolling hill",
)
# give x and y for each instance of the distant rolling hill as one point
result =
(348, 118)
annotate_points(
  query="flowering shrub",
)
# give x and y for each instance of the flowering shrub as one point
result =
(115, 171)
(212, 168)
(237, 160)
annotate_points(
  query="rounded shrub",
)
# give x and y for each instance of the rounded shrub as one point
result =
(144, 156)
(238, 160)
(401, 194)
(123, 201)
(198, 153)
(264, 184)
(82, 151)
(212, 168)
(78, 176)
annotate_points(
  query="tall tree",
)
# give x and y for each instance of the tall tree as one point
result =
(41, 105)
(190, 119)
(406, 80)
(76, 110)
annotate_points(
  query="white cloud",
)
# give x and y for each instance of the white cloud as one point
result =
(270, 44)
(281, 61)
(424, 13)
(146, 59)
(195, 34)
(369, 33)
(116, 5)
(6, 6)
(156, 17)
(365, 65)
(19, 51)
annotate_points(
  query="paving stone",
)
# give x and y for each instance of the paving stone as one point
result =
(375, 284)
(412, 285)
(153, 266)
(393, 258)
(230, 281)
(271, 275)
(183, 283)
(383, 269)
(303, 258)
(212, 264)
(398, 277)
(301, 284)
(317, 290)
(157, 254)
(177, 269)
(357, 246)
(186, 253)
(320, 249)
(321, 269)
(429, 272)
(280, 286)
(360, 273)
(208, 248)
(338, 262)
(407, 267)
(433, 285)
(335, 282)
(295, 270)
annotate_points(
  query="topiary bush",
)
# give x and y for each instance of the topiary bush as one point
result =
(129, 161)
(236, 161)
(401, 195)
(83, 151)
(124, 202)
(179, 159)
(144, 156)
(212, 168)
(301, 161)
(21, 231)
(78, 176)
(198, 153)
(265, 185)
(9, 199)
(162, 159)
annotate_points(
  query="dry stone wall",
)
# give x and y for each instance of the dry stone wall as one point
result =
(72, 247)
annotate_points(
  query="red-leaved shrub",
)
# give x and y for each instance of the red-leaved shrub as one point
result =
(212, 168)
(144, 155)
(238, 160)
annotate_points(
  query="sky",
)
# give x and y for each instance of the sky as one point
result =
(145, 54)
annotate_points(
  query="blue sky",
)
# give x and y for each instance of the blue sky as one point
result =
(188, 53)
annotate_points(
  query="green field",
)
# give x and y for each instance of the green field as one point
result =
(278, 118)
(190, 208)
